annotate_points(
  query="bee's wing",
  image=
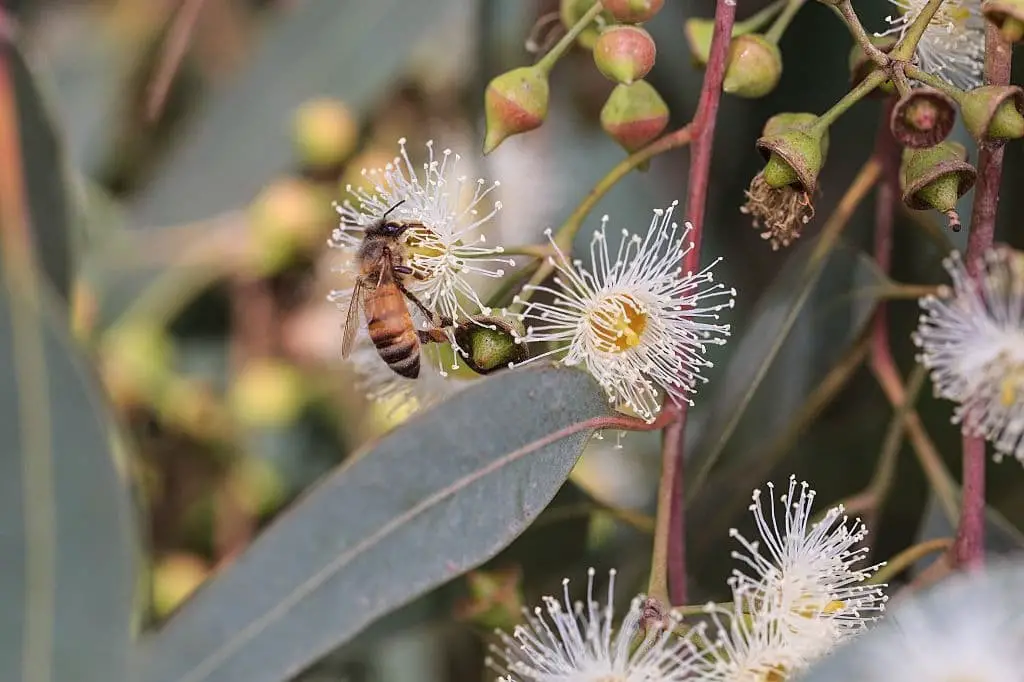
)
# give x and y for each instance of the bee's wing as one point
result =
(352, 319)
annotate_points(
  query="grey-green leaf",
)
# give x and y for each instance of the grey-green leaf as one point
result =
(429, 501)
(45, 175)
(67, 533)
(352, 50)
(969, 622)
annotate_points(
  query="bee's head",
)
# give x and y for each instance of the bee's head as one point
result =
(387, 228)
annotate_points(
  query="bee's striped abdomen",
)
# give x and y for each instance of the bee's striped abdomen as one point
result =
(391, 329)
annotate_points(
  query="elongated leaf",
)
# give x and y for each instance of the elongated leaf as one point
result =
(950, 631)
(44, 174)
(788, 322)
(349, 49)
(431, 500)
(67, 536)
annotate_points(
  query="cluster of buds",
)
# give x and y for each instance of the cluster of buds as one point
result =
(935, 172)
(624, 52)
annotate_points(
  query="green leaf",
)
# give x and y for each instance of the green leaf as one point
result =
(429, 501)
(784, 334)
(353, 50)
(44, 174)
(67, 532)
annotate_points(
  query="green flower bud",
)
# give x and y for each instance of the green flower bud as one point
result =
(698, 32)
(267, 393)
(175, 577)
(992, 113)
(794, 157)
(572, 11)
(489, 344)
(753, 66)
(634, 115)
(325, 133)
(495, 598)
(191, 406)
(255, 486)
(861, 65)
(922, 118)
(288, 217)
(136, 363)
(624, 53)
(515, 102)
(633, 11)
(1008, 16)
(935, 178)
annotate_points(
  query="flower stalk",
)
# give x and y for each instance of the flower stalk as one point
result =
(547, 62)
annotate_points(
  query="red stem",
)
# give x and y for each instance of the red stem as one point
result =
(700, 171)
(969, 548)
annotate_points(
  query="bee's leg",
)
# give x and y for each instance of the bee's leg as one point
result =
(436, 335)
(402, 269)
(435, 319)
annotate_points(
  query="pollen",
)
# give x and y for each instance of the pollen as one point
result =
(619, 323)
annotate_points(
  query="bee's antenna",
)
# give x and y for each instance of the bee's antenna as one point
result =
(392, 209)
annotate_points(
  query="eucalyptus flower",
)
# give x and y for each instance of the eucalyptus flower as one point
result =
(635, 320)
(971, 337)
(578, 642)
(445, 245)
(953, 45)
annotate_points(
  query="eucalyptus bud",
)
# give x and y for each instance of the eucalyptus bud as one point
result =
(572, 11)
(288, 217)
(633, 11)
(861, 65)
(753, 66)
(136, 363)
(515, 102)
(191, 406)
(488, 344)
(624, 53)
(794, 156)
(634, 115)
(325, 133)
(255, 486)
(1008, 16)
(922, 118)
(992, 113)
(495, 598)
(175, 577)
(267, 393)
(935, 178)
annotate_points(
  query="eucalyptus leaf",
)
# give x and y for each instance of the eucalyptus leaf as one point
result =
(966, 627)
(426, 503)
(67, 531)
(44, 175)
(784, 333)
(349, 49)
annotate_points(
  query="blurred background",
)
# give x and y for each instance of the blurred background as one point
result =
(203, 142)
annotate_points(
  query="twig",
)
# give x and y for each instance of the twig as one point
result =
(174, 51)
(970, 534)
(670, 532)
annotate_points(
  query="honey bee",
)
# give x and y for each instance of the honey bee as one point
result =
(381, 288)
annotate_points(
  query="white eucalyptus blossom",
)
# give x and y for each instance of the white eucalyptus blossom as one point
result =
(969, 627)
(635, 320)
(808, 572)
(971, 337)
(577, 642)
(445, 247)
(748, 644)
(953, 44)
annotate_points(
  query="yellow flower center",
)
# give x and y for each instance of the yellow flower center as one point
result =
(619, 323)
(423, 242)
(1010, 385)
(812, 608)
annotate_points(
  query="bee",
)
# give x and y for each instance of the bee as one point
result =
(380, 287)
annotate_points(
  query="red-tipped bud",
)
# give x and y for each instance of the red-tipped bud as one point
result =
(515, 102)
(922, 118)
(325, 133)
(624, 53)
(572, 11)
(936, 177)
(633, 11)
(1008, 16)
(753, 66)
(992, 113)
(634, 115)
